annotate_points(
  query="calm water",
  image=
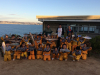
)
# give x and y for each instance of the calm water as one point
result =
(19, 29)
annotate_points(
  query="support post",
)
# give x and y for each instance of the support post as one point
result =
(78, 28)
(43, 26)
(88, 28)
(83, 29)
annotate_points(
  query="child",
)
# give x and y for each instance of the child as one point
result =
(49, 41)
(39, 52)
(47, 52)
(62, 41)
(39, 41)
(7, 55)
(44, 41)
(26, 40)
(55, 54)
(13, 37)
(77, 54)
(53, 42)
(40, 38)
(74, 44)
(49, 36)
(64, 53)
(23, 50)
(18, 38)
(85, 50)
(6, 38)
(44, 38)
(31, 52)
(69, 43)
(54, 37)
(17, 53)
(80, 40)
(35, 37)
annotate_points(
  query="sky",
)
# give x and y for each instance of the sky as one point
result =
(26, 10)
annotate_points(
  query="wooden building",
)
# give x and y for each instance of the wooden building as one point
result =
(79, 24)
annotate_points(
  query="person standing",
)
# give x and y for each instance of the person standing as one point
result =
(60, 32)
(69, 31)
(47, 30)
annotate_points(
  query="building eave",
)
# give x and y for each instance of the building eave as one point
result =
(42, 20)
(79, 17)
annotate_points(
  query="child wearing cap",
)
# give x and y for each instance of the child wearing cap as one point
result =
(76, 54)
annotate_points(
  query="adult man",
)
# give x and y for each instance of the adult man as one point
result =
(60, 32)
(47, 30)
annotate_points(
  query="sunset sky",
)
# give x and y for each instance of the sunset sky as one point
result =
(26, 10)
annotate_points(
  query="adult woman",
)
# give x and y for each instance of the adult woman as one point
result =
(69, 31)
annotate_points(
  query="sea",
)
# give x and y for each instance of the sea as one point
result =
(17, 29)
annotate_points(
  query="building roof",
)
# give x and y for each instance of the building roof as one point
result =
(83, 18)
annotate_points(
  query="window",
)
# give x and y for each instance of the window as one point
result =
(80, 29)
(85, 28)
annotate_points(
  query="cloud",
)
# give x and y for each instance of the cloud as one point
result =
(10, 18)
(1, 15)
(24, 13)
(12, 14)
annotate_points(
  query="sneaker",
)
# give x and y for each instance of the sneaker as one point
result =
(71, 55)
(73, 60)
(13, 59)
(65, 59)
(52, 58)
(77, 60)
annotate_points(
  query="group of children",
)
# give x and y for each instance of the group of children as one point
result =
(44, 48)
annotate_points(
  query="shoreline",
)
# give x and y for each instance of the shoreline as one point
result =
(20, 24)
